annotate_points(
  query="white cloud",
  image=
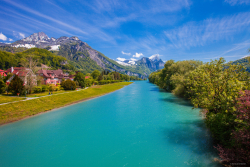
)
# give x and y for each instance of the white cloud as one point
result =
(126, 53)
(18, 35)
(201, 33)
(155, 56)
(10, 39)
(3, 37)
(44, 16)
(138, 55)
(132, 59)
(120, 59)
(235, 2)
(21, 35)
(245, 56)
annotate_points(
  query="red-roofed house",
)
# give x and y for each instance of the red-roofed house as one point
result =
(2, 73)
(52, 76)
(22, 73)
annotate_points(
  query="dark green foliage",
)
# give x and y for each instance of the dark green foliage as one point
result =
(16, 85)
(2, 85)
(68, 85)
(100, 78)
(80, 78)
(95, 74)
(38, 89)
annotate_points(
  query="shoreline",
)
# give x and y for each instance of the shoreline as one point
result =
(66, 105)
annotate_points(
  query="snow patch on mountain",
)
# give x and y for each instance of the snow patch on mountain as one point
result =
(55, 47)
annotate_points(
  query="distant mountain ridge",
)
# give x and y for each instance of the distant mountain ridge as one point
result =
(83, 57)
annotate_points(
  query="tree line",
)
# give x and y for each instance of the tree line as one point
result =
(222, 90)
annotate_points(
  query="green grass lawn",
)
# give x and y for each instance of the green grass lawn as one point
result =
(45, 93)
(19, 110)
(6, 99)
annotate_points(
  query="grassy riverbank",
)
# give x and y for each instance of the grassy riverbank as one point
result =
(19, 110)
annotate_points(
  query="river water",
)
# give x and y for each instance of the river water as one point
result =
(139, 125)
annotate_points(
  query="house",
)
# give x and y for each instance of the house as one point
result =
(2, 73)
(52, 76)
(23, 73)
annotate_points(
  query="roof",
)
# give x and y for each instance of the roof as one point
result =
(16, 68)
(57, 73)
(2, 73)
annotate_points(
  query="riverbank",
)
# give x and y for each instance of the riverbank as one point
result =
(23, 109)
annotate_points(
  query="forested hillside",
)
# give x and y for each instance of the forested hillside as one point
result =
(42, 56)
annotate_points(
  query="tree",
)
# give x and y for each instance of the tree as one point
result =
(68, 85)
(16, 85)
(215, 86)
(100, 77)
(2, 85)
(31, 63)
(80, 78)
(95, 74)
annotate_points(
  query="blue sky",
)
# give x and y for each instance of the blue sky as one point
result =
(174, 29)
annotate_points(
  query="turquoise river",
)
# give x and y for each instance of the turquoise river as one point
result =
(137, 126)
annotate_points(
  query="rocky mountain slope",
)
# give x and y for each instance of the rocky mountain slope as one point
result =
(85, 58)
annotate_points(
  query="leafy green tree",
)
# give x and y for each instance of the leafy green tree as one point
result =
(80, 78)
(216, 88)
(16, 85)
(100, 78)
(2, 85)
(95, 74)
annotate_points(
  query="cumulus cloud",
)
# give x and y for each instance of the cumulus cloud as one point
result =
(120, 59)
(126, 53)
(235, 2)
(138, 55)
(18, 35)
(10, 39)
(3, 37)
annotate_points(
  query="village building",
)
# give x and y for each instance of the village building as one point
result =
(23, 73)
(53, 76)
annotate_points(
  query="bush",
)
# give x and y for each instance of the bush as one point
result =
(38, 89)
(240, 145)
(68, 85)
(52, 87)
(45, 88)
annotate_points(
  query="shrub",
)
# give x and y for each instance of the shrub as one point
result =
(68, 85)
(45, 88)
(38, 89)
(240, 142)
(52, 87)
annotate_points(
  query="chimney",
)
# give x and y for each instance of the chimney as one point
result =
(11, 69)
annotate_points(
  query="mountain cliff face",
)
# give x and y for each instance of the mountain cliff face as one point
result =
(83, 56)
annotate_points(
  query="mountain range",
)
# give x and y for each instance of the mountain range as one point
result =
(85, 58)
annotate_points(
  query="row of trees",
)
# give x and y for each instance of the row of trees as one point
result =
(222, 91)
(104, 77)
